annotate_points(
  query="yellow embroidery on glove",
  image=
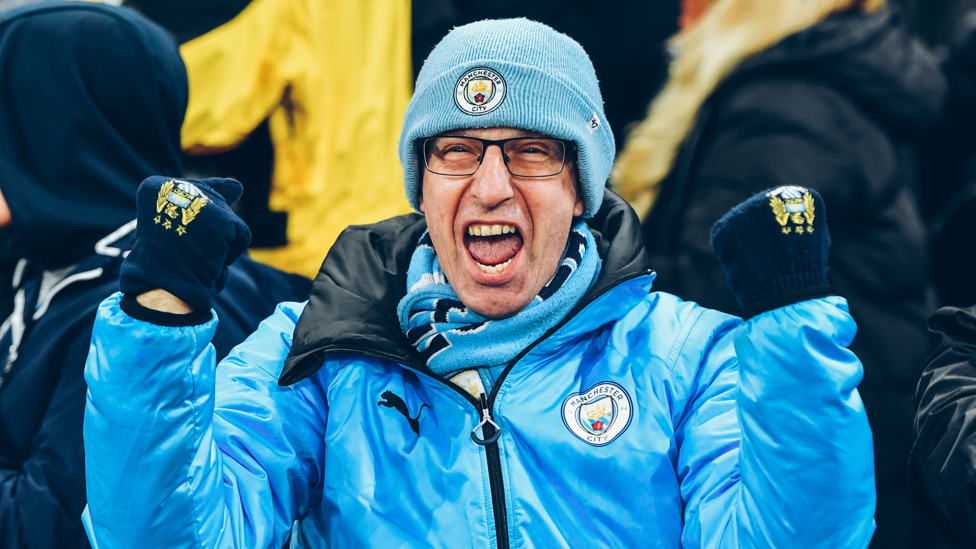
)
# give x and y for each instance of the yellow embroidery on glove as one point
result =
(191, 211)
(163, 195)
(808, 213)
(779, 210)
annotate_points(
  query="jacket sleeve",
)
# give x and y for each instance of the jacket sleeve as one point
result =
(183, 454)
(943, 461)
(41, 498)
(774, 444)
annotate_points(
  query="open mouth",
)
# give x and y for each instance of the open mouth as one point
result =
(492, 246)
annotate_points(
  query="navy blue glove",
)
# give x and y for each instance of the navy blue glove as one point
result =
(774, 248)
(186, 236)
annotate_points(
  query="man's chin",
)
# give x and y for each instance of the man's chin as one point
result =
(494, 303)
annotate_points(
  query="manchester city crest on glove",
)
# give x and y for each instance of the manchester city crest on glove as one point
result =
(178, 201)
(599, 415)
(793, 208)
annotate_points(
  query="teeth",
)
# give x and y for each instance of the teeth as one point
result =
(494, 268)
(490, 230)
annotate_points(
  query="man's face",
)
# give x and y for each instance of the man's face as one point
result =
(498, 275)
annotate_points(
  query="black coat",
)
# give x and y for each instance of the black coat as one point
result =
(92, 100)
(42, 391)
(943, 464)
(829, 108)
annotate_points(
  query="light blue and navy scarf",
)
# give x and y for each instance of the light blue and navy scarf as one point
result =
(452, 338)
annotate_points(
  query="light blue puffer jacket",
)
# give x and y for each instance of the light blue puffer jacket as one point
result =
(643, 421)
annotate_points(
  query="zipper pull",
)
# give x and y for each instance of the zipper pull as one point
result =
(486, 418)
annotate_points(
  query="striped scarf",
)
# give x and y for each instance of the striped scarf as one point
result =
(452, 338)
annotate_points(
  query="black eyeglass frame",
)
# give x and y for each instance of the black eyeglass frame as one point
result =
(485, 143)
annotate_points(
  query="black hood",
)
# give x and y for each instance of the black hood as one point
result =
(871, 57)
(353, 304)
(92, 100)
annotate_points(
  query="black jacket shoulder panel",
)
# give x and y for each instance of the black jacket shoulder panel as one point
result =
(354, 298)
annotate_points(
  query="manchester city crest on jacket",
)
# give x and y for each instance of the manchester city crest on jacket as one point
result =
(598, 415)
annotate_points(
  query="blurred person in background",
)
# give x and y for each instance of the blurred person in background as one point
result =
(91, 102)
(943, 464)
(948, 168)
(823, 94)
(315, 90)
(943, 459)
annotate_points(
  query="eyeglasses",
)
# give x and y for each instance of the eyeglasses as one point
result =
(524, 156)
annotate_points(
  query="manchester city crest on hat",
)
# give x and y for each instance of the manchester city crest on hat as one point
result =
(480, 91)
(793, 208)
(598, 415)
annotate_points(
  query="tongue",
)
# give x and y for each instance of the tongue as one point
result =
(492, 250)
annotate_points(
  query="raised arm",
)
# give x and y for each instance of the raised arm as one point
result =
(776, 450)
(180, 453)
(183, 454)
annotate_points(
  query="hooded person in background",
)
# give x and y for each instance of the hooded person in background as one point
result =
(815, 93)
(91, 99)
(493, 372)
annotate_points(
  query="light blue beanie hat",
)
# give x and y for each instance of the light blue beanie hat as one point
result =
(511, 73)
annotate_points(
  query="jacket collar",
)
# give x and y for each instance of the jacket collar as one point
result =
(352, 306)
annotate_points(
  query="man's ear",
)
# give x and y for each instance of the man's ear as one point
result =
(423, 182)
(580, 203)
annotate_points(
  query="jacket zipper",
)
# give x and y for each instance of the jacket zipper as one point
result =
(495, 481)
(489, 429)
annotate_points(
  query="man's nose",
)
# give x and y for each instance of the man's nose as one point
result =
(492, 183)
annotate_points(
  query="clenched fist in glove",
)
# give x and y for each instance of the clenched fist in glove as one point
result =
(774, 249)
(186, 237)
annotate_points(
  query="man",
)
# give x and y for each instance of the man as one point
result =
(492, 373)
(91, 102)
